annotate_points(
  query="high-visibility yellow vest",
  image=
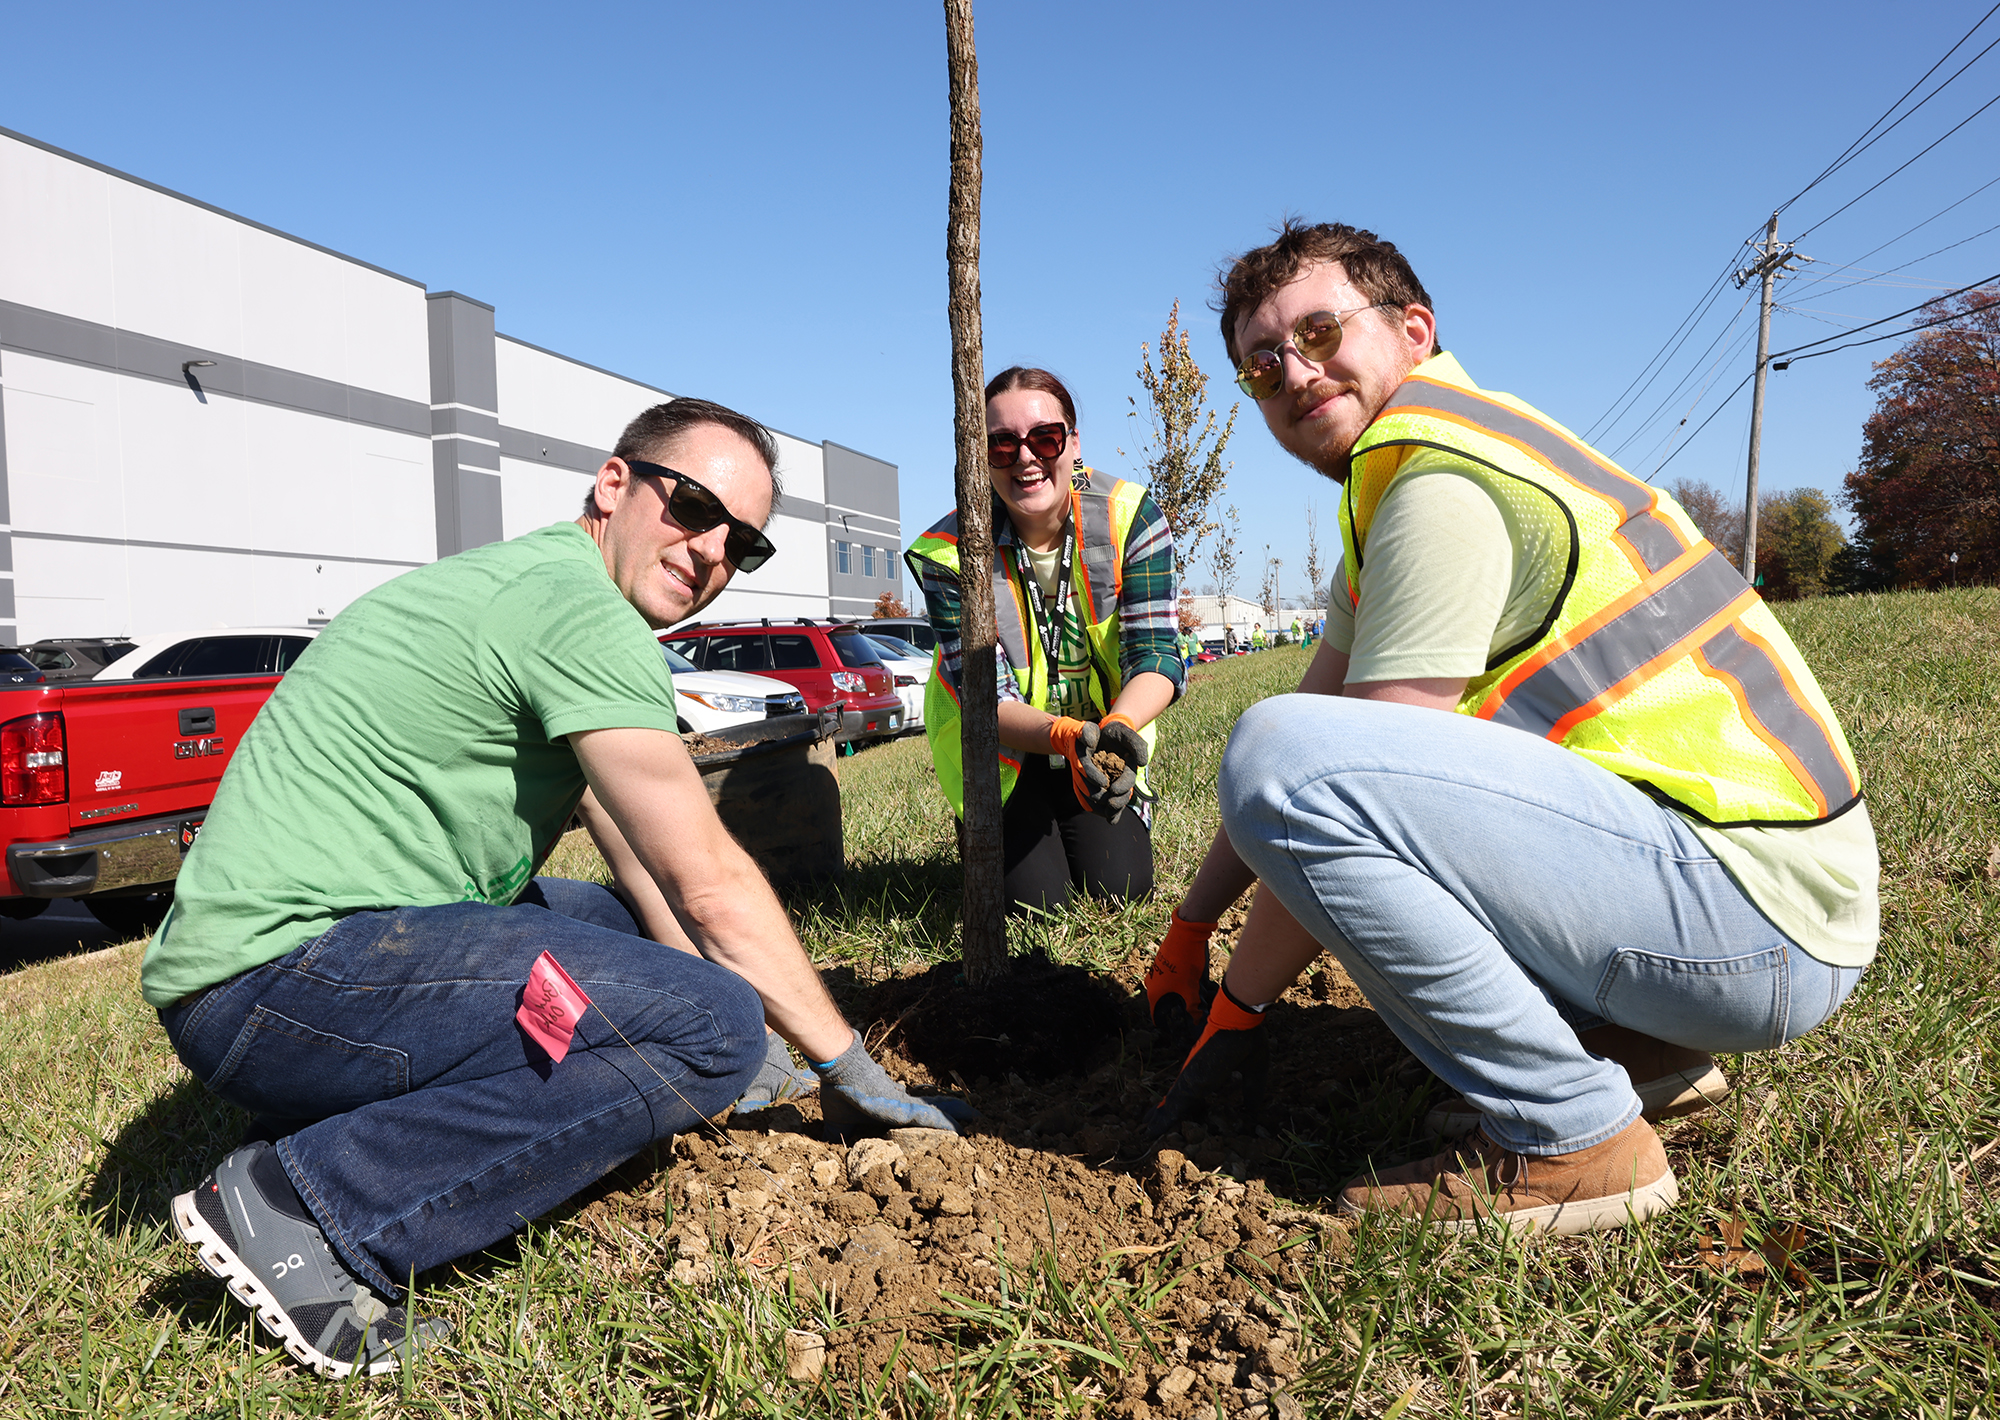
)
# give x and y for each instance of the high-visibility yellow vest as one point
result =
(1102, 509)
(1654, 659)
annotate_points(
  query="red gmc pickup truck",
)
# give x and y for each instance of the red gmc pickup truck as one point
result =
(109, 756)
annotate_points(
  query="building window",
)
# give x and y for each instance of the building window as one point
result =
(867, 560)
(843, 557)
(893, 569)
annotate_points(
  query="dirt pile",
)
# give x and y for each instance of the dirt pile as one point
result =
(939, 1243)
(927, 1241)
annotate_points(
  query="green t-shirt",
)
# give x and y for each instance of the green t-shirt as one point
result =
(1454, 575)
(414, 755)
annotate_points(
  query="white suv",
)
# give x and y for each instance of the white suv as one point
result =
(707, 701)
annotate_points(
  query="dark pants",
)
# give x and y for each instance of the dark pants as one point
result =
(441, 1128)
(1053, 846)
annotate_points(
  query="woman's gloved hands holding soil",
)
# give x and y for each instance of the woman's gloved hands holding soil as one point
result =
(857, 1097)
(1102, 790)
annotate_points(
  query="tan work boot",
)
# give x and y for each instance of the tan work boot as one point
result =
(1670, 1080)
(1625, 1177)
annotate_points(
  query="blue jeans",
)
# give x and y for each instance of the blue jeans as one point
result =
(1493, 893)
(441, 1128)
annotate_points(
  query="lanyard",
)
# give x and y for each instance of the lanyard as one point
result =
(1055, 617)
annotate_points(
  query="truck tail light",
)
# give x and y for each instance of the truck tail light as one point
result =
(32, 770)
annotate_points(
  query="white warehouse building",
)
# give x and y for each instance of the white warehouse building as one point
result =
(206, 422)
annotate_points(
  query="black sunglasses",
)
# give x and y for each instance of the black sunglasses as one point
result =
(697, 509)
(1044, 441)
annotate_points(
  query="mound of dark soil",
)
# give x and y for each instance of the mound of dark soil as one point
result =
(1040, 1022)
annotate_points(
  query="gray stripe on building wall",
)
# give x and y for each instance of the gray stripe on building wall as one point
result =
(208, 547)
(544, 449)
(206, 206)
(50, 335)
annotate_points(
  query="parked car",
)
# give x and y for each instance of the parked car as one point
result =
(17, 669)
(233, 651)
(106, 774)
(826, 661)
(913, 629)
(707, 701)
(75, 657)
(912, 669)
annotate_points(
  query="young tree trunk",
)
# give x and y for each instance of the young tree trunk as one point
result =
(984, 929)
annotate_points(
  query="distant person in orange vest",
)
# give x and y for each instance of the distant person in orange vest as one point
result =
(1558, 791)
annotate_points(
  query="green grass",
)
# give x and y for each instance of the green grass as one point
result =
(1872, 1134)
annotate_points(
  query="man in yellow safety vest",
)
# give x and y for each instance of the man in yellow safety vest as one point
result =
(1558, 790)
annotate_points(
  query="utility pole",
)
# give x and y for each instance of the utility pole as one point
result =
(1773, 256)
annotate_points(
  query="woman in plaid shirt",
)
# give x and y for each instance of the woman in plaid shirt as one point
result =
(1087, 564)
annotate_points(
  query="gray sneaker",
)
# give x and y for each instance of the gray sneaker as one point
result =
(282, 1269)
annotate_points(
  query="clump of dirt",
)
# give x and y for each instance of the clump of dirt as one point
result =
(885, 1228)
(906, 1239)
(1040, 1022)
(1113, 765)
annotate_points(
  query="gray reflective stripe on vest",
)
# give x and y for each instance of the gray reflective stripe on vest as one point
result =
(1100, 558)
(1641, 633)
(1013, 636)
(1656, 540)
(1780, 712)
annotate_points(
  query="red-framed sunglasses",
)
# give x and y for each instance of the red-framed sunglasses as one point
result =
(1044, 441)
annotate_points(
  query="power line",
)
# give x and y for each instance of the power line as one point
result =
(1853, 149)
(1894, 334)
(1851, 201)
(1665, 353)
(1693, 374)
(1974, 286)
(1833, 271)
(1703, 425)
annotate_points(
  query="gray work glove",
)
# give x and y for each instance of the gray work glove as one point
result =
(1117, 735)
(857, 1097)
(778, 1080)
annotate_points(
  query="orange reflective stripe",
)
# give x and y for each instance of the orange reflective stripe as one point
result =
(1651, 538)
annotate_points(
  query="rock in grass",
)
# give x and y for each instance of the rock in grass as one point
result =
(1174, 1384)
(805, 1355)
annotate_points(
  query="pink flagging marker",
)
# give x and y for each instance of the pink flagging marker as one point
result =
(551, 1006)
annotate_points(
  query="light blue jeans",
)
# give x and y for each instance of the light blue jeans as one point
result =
(1493, 894)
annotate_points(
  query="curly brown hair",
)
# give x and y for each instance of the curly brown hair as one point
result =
(1374, 266)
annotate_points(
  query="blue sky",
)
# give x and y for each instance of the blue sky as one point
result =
(747, 202)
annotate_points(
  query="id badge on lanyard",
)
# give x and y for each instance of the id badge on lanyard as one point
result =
(1054, 620)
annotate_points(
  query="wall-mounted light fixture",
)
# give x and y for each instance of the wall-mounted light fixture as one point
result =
(187, 365)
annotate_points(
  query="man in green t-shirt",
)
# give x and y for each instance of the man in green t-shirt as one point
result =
(1559, 793)
(359, 923)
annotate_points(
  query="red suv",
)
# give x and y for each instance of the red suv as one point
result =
(826, 661)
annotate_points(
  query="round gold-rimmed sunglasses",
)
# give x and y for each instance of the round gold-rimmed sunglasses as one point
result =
(1315, 337)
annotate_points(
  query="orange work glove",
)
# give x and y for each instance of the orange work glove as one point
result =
(1231, 1048)
(1177, 984)
(1076, 741)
